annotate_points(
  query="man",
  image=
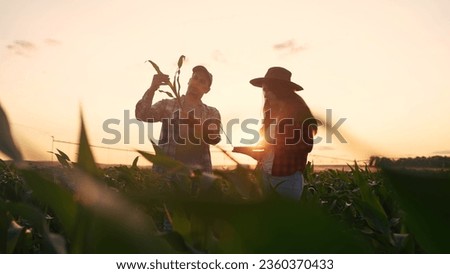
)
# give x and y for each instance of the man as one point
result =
(188, 126)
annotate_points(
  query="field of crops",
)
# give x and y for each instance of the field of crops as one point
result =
(80, 208)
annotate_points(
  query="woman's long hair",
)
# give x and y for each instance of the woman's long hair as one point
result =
(293, 106)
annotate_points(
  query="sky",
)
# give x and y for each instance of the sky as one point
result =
(380, 69)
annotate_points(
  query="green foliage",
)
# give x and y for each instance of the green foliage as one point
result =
(360, 198)
(436, 162)
(80, 208)
(268, 226)
(86, 160)
(175, 85)
(423, 196)
(63, 159)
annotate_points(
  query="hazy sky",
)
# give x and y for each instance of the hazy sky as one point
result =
(382, 65)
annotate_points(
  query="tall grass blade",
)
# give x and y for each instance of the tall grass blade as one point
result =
(155, 66)
(86, 160)
(7, 145)
(135, 161)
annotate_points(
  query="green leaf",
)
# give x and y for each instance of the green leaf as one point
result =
(63, 159)
(423, 197)
(243, 181)
(166, 92)
(180, 61)
(7, 145)
(161, 159)
(373, 216)
(157, 149)
(178, 86)
(176, 80)
(135, 161)
(86, 160)
(64, 156)
(167, 162)
(174, 84)
(57, 197)
(108, 223)
(155, 66)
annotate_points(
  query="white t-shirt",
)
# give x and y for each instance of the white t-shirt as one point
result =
(269, 155)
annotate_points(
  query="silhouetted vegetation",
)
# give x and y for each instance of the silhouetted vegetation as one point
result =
(80, 208)
(416, 162)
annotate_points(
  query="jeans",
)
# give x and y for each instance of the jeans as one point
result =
(286, 186)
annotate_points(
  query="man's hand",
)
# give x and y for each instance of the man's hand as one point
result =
(255, 152)
(158, 80)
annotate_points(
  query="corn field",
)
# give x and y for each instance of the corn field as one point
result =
(78, 207)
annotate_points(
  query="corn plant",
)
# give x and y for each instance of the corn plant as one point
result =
(175, 85)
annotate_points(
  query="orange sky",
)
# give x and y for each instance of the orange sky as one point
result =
(382, 65)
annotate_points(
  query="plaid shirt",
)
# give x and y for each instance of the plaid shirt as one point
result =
(165, 111)
(293, 139)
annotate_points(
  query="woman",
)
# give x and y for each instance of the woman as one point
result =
(288, 130)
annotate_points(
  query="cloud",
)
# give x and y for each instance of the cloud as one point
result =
(219, 57)
(442, 152)
(52, 42)
(22, 47)
(27, 48)
(289, 47)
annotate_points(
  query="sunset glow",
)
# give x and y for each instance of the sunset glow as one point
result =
(381, 66)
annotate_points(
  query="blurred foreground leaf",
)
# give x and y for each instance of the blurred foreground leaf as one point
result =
(7, 145)
(86, 160)
(168, 163)
(58, 198)
(423, 196)
(96, 219)
(272, 226)
(49, 242)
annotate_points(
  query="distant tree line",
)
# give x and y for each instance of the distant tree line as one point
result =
(429, 162)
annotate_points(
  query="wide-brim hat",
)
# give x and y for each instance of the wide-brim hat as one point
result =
(276, 74)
